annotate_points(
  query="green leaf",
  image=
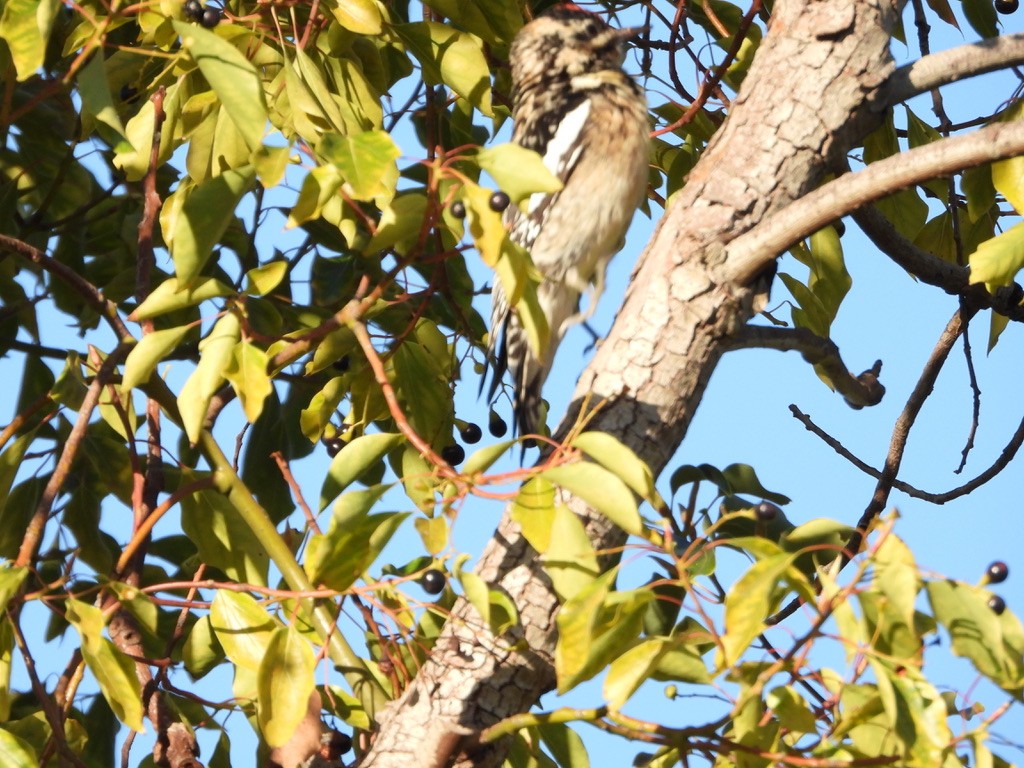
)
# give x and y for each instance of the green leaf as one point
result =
(997, 325)
(747, 605)
(558, 536)
(216, 352)
(359, 16)
(978, 189)
(26, 26)
(791, 710)
(434, 533)
(595, 627)
(1008, 175)
(994, 644)
(16, 753)
(353, 460)
(619, 459)
(494, 606)
(400, 223)
(284, 682)
(452, 58)
(318, 187)
(630, 670)
(366, 161)
(11, 579)
(483, 458)
(271, 163)
(201, 652)
(997, 261)
(242, 627)
(233, 78)
(944, 12)
(97, 103)
(223, 539)
(518, 171)
(340, 556)
(114, 671)
(565, 745)
(149, 353)
(206, 214)
(247, 372)
(601, 489)
(172, 295)
(981, 15)
(264, 279)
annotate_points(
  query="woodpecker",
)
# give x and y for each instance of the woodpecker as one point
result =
(573, 104)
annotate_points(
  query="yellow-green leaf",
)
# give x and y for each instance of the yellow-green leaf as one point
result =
(171, 295)
(247, 372)
(628, 671)
(353, 460)
(205, 216)
(233, 78)
(242, 627)
(998, 260)
(148, 353)
(215, 356)
(453, 58)
(519, 171)
(114, 671)
(366, 160)
(26, 26)
(747, 605)
(619, 459)
(97, 103)
(16, 753)
(262, 280)
(601, 489)
(359, 16)
(284, 683)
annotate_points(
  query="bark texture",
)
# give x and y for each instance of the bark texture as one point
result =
(809, 96)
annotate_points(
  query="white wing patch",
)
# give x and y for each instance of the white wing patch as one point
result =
(564, 148)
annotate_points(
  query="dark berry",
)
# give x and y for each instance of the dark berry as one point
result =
(1007, 6)
(453, 454)
(333, 445)
(766, 511)
(338, 744)
(997, 604)
(210, 18)
(471, 433)
(341, 364)
(496, 425)
(499, 201)
(433, 581)
(193, 10)
(457, 209)
(840, 227)
(997, 572)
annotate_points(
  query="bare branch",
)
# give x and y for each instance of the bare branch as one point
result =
(953, 65)
(1005, 457)
(749, 253)
(857, 391)
(951, 278)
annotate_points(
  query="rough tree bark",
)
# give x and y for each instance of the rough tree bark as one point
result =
(820, 83)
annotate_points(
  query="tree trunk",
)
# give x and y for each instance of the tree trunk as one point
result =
(811, 94)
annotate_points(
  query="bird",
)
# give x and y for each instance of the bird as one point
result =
(575, 106)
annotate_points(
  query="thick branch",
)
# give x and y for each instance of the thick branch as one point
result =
(748, 254)
(857, 391)
(953, 65)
